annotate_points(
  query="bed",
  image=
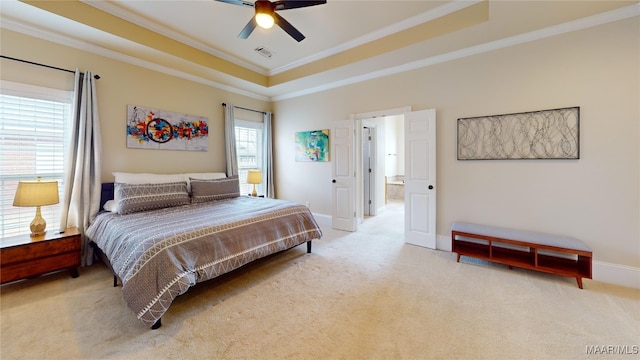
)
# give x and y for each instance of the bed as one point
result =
(160, 239)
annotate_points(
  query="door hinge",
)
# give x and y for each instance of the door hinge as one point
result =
(369, 202)
(369, 171)
(369, 138)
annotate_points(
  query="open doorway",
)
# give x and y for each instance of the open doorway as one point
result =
(419, 181)
(382, 160)
(369, 170)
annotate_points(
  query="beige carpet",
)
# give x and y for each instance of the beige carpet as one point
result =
(363, 295)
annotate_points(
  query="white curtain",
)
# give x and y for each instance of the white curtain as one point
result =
(267, 158)
(230, 140)
(83, 176)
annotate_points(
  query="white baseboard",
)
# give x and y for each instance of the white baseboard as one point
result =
(322, 219)
(616, 274)
(443, 242)
(602, 271)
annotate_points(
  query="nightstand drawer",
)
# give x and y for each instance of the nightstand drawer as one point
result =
(39, 250)
(24, 270)
(23, 256)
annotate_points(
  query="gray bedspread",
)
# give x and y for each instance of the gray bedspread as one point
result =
(159, 254)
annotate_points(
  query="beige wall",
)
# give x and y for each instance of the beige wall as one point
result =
(595, 198)
(121, 84)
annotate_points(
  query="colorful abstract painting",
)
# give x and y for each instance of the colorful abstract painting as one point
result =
(158, 129)
(312, 145)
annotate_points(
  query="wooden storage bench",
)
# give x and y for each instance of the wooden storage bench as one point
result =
(555, 254)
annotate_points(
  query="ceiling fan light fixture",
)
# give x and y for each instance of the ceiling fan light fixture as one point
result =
(265, 20)
(264, 14)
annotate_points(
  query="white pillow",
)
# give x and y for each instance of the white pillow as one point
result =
(205, 176)
(110, 205)
(146, 178)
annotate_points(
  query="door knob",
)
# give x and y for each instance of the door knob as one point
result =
(333, 181)
(430, 187)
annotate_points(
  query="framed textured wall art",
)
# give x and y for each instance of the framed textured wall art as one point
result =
(312, 145)
(544, 134)
(158, 129)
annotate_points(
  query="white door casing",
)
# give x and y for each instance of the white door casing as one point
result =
(343, 189)
(420, 178)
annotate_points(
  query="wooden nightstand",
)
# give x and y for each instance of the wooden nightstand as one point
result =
(24, 256)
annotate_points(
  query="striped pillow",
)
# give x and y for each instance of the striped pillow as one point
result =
(217, 189)
(141, 197)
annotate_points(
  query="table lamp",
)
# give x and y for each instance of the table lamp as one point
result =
(36, 193)
(254, 177)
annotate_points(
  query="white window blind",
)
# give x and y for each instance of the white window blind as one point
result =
(249, 152)
(34, 122)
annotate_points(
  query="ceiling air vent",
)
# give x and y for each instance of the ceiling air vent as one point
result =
(264, 52)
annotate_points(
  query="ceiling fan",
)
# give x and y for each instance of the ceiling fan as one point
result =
(266, 16)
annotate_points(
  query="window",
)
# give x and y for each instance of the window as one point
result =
(249, 152)
(33, 124)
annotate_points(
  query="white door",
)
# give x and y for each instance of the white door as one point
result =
(343, 191)
(368, 186)
(420, 178)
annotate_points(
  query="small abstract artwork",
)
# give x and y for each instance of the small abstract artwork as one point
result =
(158, 129)
(312, 145)
(544, 134)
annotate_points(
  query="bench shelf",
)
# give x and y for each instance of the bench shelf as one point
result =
(526, 255)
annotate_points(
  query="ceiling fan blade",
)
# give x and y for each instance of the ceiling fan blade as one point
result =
(286, 26)
(248, 29)
(294, 4)
(237, 2)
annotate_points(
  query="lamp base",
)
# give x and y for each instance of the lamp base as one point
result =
(38, 225)
(254, 193)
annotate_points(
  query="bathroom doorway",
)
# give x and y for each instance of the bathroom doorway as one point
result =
(368, 170)
(382, 161)
(419, 159)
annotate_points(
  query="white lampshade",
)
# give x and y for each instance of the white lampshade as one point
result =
(254, 177)
(36, 193)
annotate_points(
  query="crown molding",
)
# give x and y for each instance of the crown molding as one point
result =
(111, 8)
(261, 93)
(441, 11)
(23, 28)
(571, 26)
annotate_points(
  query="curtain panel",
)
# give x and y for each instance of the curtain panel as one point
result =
(83, 171)
(267, 158)
(230, 140)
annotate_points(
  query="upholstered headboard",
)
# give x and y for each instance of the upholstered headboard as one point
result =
(106, 194)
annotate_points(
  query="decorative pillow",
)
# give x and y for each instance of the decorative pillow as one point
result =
(144, 178)
(201, 176)
(150, 178)
(208, 190)
(142, 197)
